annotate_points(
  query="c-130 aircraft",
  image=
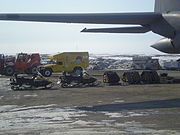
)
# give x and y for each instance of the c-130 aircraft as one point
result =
(165, 21)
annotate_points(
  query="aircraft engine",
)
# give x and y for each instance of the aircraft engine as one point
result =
(166, 45)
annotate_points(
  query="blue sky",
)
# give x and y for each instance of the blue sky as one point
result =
(30, 37)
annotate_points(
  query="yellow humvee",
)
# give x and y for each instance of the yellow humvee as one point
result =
(66, 62)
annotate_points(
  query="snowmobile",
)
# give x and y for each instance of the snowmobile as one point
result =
(68, 80)
(36, 81)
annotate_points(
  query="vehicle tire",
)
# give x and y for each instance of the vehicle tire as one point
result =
(111, 77)
(78, 71)
(128, 77)
(9, 71)
(156, 78)
(47, 72)
(145, 77)
(136, 78)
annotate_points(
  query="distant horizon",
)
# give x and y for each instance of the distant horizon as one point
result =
(100, 54)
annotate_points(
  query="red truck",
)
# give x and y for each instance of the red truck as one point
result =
(23, 62)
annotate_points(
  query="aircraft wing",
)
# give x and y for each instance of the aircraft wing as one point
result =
(119, 30)
(91, 18)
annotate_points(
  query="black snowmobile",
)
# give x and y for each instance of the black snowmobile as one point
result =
(36, 81)
(68, 80)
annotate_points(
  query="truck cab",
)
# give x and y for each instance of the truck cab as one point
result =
(66, 62)
(27, 62)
